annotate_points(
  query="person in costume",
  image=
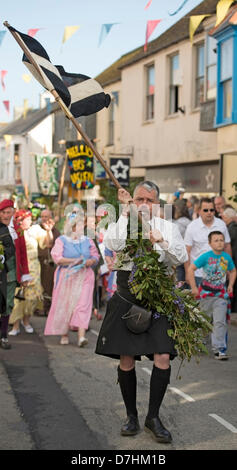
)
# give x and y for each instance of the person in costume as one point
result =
(34, 236)
(115, 340)
(7, 250)
(75, 255)
(17, 264)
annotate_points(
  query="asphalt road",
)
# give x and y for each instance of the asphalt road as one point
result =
(62, 397)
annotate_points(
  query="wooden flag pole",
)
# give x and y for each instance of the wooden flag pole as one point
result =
(64, 107)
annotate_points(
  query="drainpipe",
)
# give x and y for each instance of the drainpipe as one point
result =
(221, 173)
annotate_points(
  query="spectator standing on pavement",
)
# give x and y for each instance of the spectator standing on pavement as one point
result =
(212, 291)
(17, 265)
(229, 217)
(181, 220)
(196, 236)
(7, 250)
(46, 262)
(75, 254)
(219, 203)
(34, 236)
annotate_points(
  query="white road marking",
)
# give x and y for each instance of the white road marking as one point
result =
(222, 421)
(182, 394)
(94, 332)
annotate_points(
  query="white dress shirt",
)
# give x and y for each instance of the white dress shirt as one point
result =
(172, 250)
(196, 236)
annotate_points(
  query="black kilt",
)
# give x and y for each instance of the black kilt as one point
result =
(116, 340)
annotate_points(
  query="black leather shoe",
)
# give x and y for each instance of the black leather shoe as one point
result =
(130, 427)
(155, 427)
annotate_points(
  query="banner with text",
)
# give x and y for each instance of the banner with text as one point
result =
(80, 161)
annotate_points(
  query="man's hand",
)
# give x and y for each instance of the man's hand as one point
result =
(156, 236)
(124, 197)
(48, 225)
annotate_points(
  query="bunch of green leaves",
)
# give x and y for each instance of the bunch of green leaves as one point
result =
(156, 290)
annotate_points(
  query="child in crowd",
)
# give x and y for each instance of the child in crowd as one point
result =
(213, 293)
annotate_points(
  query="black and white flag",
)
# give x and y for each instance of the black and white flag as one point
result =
(81, 94)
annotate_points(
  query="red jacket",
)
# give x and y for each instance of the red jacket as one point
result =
(21, 254)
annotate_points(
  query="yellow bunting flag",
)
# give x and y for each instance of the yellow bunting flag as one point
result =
(222, 9)
(8, 139)
(194, 22)
(69, 31)
(26, 77)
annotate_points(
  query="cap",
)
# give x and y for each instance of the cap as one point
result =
(6, 203)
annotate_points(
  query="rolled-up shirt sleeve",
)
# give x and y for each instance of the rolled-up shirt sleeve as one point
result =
(174, 251)
(116, 235)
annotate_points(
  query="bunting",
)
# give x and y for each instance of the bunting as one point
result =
(222, 9)
(26, 77)
(105, 29)
(7, 105)
(32, 32)
(178, 9)
(151, 25)
(3, 73)
(69, 31)
(8, 139)
(194, 22)
(2, 34)
(148, 5)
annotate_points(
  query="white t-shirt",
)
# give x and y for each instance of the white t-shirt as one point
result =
(196, 236)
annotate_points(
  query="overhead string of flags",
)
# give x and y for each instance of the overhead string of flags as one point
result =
(194, 21)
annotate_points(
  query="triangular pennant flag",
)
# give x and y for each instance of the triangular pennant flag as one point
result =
(2, 34)
(178, 9)
(151, 25)
(32, 32)
(194, 22)
(27, 78)
(147, 5)
(69, 31)
(7, 105)
(222, 9)
(3, 73)
(8, 139)
(105, 29)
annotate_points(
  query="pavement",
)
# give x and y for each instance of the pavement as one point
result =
(15, 433)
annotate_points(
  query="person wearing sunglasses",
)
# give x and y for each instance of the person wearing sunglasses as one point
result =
(196, 235)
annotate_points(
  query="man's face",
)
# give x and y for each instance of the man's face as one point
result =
(219, 204)
(144, 200)
(6, 215)
(217, 242)
(45, 216)
(207, 212)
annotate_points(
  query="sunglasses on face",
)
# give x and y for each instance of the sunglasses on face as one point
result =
(208, 210)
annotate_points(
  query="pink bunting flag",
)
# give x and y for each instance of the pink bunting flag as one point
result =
(32, 32)
(3, 73)
(151, 25)
(148, 5)
(7, 105)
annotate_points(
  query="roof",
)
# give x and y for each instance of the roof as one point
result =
(230, 19)
(25, 124)
(178, 32)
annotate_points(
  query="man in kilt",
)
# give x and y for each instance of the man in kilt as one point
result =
(115, 339)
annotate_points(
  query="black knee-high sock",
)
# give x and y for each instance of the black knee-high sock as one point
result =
(4, 326)
(128, 385)
(159, 381)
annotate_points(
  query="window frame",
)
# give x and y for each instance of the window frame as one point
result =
(173, 89)
(149, 98)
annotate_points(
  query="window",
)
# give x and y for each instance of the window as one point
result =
(226, 76)
(199, 81)
(17, 164)
(150, 92)
(111, 122)
(174, 84)
(2, 162)
(211, 58)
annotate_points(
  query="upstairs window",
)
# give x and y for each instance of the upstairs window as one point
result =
(174, 84)
(199, 80)
(226, 77)
(111, 123)
(150, 92)
(211, 58)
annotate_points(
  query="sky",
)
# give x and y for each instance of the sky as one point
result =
(81, 53)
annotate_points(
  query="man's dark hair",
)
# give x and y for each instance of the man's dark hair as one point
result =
(207, 200)
(215, 232)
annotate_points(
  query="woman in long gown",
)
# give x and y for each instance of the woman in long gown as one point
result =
(71, 307)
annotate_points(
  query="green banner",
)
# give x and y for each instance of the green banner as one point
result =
(47, 174)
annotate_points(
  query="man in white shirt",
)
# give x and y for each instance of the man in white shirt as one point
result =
(196, 236)
(115, 340)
